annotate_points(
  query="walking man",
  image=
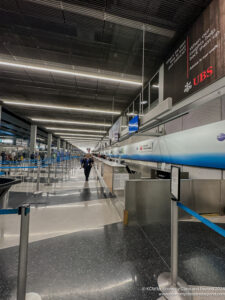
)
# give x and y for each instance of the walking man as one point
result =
(87, 163)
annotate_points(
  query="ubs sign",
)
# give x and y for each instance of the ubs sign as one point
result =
(199, 59)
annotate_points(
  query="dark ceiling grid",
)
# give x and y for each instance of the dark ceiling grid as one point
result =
(54, 36)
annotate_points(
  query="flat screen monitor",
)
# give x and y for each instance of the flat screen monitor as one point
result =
(133, 124)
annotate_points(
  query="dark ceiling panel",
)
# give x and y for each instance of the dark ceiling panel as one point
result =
(55, 37)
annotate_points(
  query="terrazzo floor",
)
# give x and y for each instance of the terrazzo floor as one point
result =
(80, 250)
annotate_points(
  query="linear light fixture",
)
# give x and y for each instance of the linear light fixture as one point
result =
(70, 73)
(80, 139)
(67, 138)
(18, 103)
(134, 114)
(77, 134)
(76, 130)
(70, 122)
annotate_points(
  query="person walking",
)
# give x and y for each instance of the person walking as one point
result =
(87, 163)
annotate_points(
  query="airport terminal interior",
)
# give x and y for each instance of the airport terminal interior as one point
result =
(112, 149)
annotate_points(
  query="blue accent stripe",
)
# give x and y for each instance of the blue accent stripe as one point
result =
(9, 211)
(208, 223)
(207, 160)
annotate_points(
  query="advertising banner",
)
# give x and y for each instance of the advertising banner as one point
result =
(201, 147)
(199, 58)
(114, 132)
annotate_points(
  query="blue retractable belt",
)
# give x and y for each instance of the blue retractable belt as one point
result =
(208, 223)
(9, 211)
(12, 211)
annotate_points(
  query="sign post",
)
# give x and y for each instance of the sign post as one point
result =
(169, 283)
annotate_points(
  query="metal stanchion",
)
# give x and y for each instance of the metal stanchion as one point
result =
(49, 176)
(173, 287)
(66, 168)
(38, 192)
(55, 170)
(23, 250)
(28, 170)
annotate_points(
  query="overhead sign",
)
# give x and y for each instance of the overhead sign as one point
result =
(199, 59)
(134, 124)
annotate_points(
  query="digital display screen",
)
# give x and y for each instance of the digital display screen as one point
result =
(134, 124)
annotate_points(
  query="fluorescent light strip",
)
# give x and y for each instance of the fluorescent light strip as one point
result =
(78, 130)
(70, 122)
(74, 134)
(88, 140)
(71, 73)
(61, 107)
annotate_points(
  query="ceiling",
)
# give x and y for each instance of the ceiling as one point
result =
(90, 36)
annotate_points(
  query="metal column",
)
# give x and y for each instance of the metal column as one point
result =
(33, 136)
(58, 144)
(49, 145)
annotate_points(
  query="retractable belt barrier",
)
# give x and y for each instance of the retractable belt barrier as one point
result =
(52, 160)
(24, 212)
(169, 283)
(203, 220)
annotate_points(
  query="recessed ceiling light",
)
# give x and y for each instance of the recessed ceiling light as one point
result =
(70, 122)
(73, 129)
(28, 104)
(77, 134)
(70, 73)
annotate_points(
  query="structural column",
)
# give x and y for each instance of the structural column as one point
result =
(49, 144)
(64, 146)
(33, 136)
(58, 144)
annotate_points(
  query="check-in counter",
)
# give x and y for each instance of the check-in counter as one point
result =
(113, 174)
(148, 201)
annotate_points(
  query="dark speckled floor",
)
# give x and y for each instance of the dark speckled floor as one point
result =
(201, 252)
(108, 263)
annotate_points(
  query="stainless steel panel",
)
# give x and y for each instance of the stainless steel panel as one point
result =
(153, 201)
(222, 200)
(186, 196)
(206, 194)
(130, 200)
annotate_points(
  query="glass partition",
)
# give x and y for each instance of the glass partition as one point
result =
(137, 105)
(154, 91)
(146, 100)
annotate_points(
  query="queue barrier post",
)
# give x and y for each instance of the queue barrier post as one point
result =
(24, 211)
(170, 284)
(38, 192)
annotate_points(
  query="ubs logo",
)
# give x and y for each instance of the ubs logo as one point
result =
(203, 76)
(198, 79)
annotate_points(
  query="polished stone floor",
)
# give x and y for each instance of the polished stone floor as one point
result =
(78, 247)
(80, 250)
